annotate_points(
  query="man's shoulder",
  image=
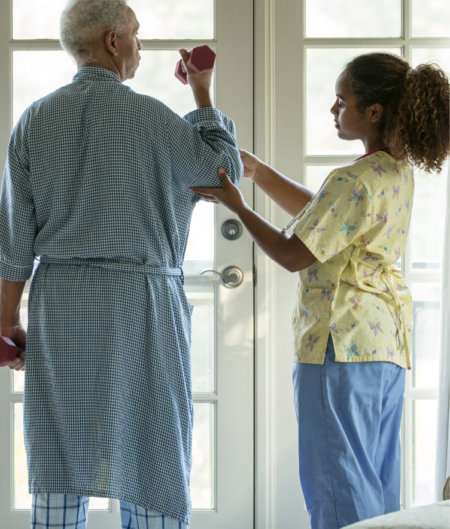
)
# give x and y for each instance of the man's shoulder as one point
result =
(116, 98)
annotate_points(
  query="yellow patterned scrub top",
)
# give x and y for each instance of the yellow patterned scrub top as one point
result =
(356, 226)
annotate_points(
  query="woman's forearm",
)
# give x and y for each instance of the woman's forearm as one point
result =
(289, 195)
(289, 252)
(10, 298)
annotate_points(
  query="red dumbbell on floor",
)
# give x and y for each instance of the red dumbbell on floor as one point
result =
(201, 59)
(8, 351)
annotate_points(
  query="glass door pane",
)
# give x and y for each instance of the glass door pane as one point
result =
(323, 66)
(426, 331)
(200, 247)
(424, 453)
(427, 219)
(441, 56)
(155, 77)
(431, 18)
(37, 74)
(345, 18)
(171, 19)
(203, 338)
(203, 456)
(316, 175)
(175, 19)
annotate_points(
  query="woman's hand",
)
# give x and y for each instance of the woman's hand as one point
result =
(229, 195)
(18, 335)
(250, 162)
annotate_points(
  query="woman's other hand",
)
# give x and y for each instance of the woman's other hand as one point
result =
(18, 335)
(229, 195)
(250, 162)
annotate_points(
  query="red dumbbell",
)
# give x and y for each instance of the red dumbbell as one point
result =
(201, 59)
(8, 351)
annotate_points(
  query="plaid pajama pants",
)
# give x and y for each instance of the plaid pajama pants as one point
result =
(64, 511)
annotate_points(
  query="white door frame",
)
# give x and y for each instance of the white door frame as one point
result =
(278, 496)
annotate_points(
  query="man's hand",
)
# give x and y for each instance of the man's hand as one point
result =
(229, 195)
(200, 83)
(250, 162)
(18, 335)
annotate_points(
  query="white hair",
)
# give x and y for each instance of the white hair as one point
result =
(82, 19)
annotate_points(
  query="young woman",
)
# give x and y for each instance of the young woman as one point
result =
(352, 318)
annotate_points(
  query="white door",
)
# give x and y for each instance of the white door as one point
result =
(33, 65)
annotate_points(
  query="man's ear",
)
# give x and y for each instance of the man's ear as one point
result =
(110, 41)
(374, 112)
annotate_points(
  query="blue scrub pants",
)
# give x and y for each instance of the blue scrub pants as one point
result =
(64, 511)
(349, 418)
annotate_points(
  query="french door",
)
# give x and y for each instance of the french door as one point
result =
(34, 65)
(306, 45)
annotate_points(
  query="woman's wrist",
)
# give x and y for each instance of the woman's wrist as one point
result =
(242, 209)
(260, 171)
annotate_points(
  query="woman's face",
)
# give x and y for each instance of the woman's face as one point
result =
(350, 123)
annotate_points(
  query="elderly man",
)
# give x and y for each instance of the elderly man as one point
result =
(97, 185)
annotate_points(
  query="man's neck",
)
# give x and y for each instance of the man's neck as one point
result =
(101, 63)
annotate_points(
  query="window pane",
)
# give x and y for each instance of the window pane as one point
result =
(203, 456)
(441, 56)
(36, 20)
(431, 18)
(316, 174)
(155, 77)
(426, 327)
(37, 74)
(427, 220)
(22, 500)
(200, 246)
(18, 376)
(345, 18)
(203, 338)
(175, 19)
(171, 19)
(322, 69)
(424, 453)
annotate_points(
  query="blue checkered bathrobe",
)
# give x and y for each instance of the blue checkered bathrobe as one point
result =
(97, 185)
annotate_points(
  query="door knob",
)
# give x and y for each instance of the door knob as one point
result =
(232, 229)
(232, 276)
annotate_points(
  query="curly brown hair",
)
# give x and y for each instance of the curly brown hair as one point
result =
(415, 120)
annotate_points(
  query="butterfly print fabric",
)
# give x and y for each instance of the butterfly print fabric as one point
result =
(357, 227)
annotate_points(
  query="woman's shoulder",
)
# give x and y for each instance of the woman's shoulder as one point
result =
(360, 171)
(372, 171)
